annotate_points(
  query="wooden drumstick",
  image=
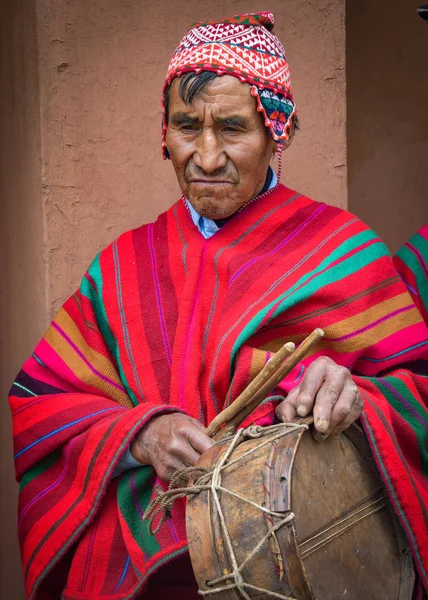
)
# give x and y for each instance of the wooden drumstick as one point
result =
(270, 384)
(265, 374)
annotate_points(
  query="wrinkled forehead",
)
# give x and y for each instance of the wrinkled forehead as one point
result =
(274, 109)
(219, 97)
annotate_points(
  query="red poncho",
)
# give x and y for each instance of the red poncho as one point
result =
(164, 321)
(411, 262)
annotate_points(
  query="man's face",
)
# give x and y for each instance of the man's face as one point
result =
(219, 146)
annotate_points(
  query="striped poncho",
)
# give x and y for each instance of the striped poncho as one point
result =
(165, 320)
(411, 262)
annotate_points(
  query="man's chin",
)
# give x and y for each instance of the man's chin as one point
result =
(212, 210)
(215, 208)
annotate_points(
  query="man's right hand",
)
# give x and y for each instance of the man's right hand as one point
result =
(170, 442)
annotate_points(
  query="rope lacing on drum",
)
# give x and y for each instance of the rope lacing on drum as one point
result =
(210, 479)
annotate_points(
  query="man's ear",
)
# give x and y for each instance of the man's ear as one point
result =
(285, 143)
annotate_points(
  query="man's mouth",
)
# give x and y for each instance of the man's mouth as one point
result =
(211, 181)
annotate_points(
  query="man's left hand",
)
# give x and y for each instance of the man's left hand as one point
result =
(328, 391)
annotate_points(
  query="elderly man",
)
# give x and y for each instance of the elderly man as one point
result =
(174, 318)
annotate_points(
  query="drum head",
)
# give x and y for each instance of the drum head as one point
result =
(345, 529)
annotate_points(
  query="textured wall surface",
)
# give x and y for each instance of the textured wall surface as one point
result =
(80, 152)
(387, 117)
(23, 295)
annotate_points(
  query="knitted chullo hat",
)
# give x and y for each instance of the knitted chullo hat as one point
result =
(244, 47)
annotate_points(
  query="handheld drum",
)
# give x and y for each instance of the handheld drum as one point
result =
(271, 513)
(279, 515)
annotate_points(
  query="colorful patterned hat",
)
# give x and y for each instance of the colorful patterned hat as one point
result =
(245, 47)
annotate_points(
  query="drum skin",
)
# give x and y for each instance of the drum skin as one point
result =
(343, 542)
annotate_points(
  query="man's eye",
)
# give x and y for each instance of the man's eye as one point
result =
(231, 129)
(189, 127)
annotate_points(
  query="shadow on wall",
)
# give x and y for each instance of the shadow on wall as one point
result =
(387, 126)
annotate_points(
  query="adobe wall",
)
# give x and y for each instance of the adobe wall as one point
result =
(387, 101)
(23, 306)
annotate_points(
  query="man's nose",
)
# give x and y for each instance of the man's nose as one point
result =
(209, 153)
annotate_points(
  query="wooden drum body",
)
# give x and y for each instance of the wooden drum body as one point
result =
(288, 517)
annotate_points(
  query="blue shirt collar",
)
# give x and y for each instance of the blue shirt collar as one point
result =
(208, 227)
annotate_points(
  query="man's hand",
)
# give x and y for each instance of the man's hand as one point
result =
(327, 389)
(170, 442)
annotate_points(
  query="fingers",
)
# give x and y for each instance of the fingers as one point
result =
(187, 442)
(338, 403)
(327, 390)
(166, 467)
(286, 411)
(351, 417)
(170, 442)
(182, 452)
(310, 385)
(333, 388)
(198, 439)
(348, 416)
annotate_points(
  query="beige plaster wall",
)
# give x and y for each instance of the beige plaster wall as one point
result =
(387, 84)
(23, 296)
(80, 149)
